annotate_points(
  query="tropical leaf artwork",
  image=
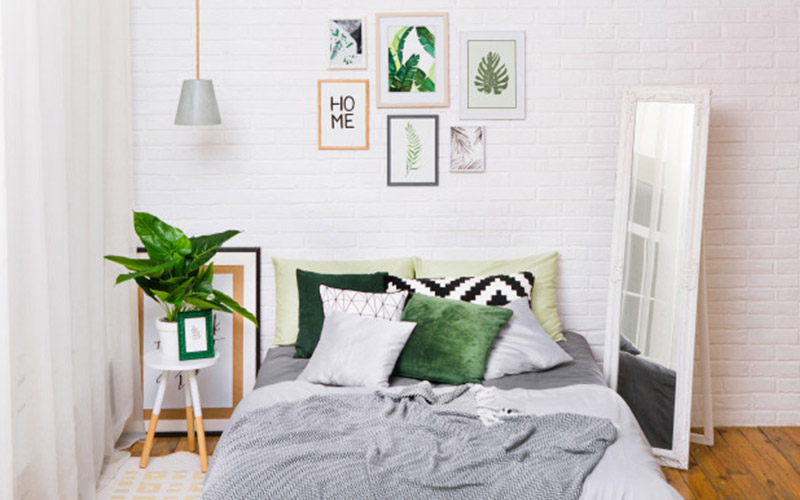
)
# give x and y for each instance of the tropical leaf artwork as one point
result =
(413, 150)
(467, 149)
(411, 48)
(492, 76)
(345, 43)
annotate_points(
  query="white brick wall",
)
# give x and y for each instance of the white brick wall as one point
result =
(550, 178)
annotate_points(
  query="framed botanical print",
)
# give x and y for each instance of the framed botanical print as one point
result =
(195, 335)
(343, 114)
(237, 274)
(412, 60)
(413, 150)
(346, 47)
(492, 70)
(467, 149)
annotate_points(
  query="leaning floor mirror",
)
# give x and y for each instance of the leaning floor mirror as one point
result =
(656, 259)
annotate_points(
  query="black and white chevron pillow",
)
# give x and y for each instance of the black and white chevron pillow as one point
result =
(497, 290)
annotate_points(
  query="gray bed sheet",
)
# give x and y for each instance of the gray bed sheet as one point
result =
(279, 365)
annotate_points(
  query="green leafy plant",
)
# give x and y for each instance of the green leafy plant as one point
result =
(175, 273)
(414, 148)
(491, 77)
(404, 74)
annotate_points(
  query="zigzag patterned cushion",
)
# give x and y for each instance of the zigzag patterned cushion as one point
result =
(497, 290)
(377, 305)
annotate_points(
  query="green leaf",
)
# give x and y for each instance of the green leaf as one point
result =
(206, 304)
(152, 272)
(228, 301)
(205, 247)
(422, 82)
(133, 264)
(491, 77)
(404, 78)
(427, 40)
(398, 44)
(162, 241)
(414, 148)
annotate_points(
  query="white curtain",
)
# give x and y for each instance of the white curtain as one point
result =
(68, 346)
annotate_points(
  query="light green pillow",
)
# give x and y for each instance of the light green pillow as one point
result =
(544, 268)
(287, 303)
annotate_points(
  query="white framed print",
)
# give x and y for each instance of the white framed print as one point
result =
(412, 60)
(413, 150)
(343, 114)
(467, 149)
(346, 47)
(492, 75)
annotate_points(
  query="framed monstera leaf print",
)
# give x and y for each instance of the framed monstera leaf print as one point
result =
(413, 150)
(412, 57)
(492, 85)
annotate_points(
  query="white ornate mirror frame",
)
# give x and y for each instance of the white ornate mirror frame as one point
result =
(690, 264)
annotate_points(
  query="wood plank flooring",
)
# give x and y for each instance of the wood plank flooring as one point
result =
(744, 463)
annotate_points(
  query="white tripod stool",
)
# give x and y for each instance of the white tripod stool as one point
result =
(155, 361)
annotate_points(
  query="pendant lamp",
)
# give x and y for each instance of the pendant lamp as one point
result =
(198, 104)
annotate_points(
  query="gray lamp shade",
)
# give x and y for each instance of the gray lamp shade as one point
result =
(198, 104)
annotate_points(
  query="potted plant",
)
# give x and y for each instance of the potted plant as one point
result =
(175, 274)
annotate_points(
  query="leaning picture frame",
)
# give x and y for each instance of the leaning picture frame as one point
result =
(412, 60)
(195, 335)
(492, 75)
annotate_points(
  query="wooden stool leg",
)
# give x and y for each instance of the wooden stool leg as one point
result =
(151, 430)
(198, 420)
(189, 414)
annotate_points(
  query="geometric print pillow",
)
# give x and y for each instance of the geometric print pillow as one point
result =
(497, 290)
(377, 305)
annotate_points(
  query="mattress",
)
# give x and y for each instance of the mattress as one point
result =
(280, 366)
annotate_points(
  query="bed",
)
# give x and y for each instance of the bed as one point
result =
(626, 469)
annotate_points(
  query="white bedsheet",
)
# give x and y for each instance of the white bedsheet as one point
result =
(627, 471)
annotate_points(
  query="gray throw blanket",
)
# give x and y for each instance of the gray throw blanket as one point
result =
(408, 444)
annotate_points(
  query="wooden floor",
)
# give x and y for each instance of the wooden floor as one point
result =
(744, 463)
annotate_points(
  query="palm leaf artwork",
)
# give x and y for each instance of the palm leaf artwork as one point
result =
(413, 150)
(404, 74)
(492, 77)
(466, 148)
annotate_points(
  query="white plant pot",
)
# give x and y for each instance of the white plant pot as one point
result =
(168, 334)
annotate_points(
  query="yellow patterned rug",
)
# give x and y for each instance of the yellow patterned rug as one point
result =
(173, 477)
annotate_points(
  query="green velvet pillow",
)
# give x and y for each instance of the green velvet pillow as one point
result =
(451, 341)
(310, 313)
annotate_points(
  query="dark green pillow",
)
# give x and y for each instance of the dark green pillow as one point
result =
(451, 341)
(310, 313)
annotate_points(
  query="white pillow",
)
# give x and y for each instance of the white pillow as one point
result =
(356, 351)
(377, 305)
(522, 345)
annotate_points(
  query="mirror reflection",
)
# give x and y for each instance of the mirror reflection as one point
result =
(654, 255)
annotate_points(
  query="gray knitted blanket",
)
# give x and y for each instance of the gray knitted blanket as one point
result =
(408, 444)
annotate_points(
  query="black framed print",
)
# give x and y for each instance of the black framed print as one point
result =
(413, 150)
(195, 335)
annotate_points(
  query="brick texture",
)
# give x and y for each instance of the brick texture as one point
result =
(550, 178)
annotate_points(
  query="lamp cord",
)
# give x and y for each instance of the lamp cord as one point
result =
(197, 37)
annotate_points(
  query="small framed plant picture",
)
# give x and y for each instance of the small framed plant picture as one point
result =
(467, 149)
(346, 47)
(413, 150)
(195, 335)
(412, 60)
(343, 114)
(492, 71)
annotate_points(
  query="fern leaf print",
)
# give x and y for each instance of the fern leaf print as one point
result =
(414, 149)
(492, 76)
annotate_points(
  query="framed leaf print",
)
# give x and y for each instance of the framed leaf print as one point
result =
(343, 114)
(412, 60)
(346, 47)
(467, 149)
(413, 150)
(492, 85)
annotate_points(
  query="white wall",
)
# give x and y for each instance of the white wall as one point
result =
(550, 178)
